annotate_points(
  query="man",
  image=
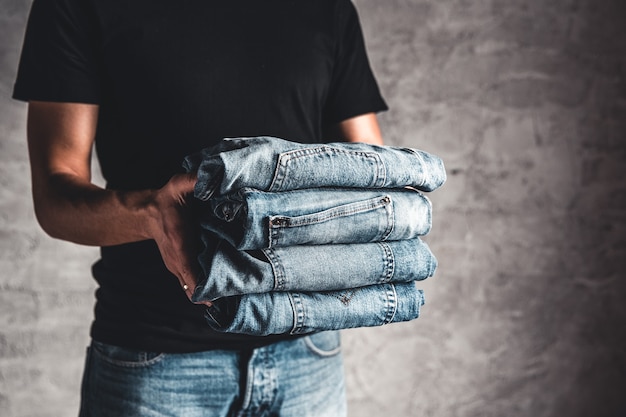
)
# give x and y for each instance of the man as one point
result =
(150, 81)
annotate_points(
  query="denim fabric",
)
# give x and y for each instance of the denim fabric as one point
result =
(272, 164)
(301, 312)
(252, 219)
(302, 377)
(299, 238)
(311, 268)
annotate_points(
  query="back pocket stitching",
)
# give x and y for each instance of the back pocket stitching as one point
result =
(343, 210)
(282, 164)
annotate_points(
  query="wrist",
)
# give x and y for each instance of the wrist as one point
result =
(151, 214)
(143, 207)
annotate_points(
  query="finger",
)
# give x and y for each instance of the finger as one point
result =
(189, 291)
(189, 277)
(184, 183)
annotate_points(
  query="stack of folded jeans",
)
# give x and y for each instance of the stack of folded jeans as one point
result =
(301, 238)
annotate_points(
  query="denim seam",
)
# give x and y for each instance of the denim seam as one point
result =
(342, 210)
(128, 364)
(247, 399)
(388, 263)
(286, 157)
(381, 175)
(392, 304)
(390, 210)
(273, 234)
(280, 282)
(421, 163)
(298, 312)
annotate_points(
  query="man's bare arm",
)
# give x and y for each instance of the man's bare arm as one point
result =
(70, 207)
(363, 128)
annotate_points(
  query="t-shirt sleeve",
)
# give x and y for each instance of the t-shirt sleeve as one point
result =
(59, 56)
(353, 89)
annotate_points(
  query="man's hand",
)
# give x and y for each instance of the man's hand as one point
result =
(173, 230)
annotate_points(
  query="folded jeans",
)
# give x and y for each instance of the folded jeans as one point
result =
(307, 312)
(273, 164)
(297, 240)
(228, 271)
(253, 219)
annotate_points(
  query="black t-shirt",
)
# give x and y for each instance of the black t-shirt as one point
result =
(172, 77)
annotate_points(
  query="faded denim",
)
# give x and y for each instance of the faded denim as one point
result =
(252, 219)
(272, 164)
(301, 238)
(301, 312)
(301, 377)
(228, 271)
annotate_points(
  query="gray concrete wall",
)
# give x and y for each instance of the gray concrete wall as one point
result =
(526, 102)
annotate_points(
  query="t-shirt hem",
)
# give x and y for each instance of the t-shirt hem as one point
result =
(359, 112)
(177, 344)
(20, 95)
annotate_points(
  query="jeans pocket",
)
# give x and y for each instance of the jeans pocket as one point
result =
(125, 357)
(324, 344)
(363, 221)
(327, 166)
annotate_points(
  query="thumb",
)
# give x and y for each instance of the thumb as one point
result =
(184, 183)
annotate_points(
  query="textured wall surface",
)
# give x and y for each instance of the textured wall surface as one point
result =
(526, 102)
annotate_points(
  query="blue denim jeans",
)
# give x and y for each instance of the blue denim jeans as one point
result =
(301, 313)
(307, 269)
(296, 378)
(251, 219)
(272, 164)
(228, 271)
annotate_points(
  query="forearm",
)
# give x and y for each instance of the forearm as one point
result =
(69, 208)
